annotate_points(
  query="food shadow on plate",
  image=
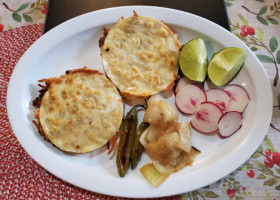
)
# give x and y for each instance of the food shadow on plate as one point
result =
(210, 49)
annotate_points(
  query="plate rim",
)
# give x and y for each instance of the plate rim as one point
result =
(65, 27)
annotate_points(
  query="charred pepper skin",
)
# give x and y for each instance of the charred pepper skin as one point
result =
(120, 158)
(127, 140)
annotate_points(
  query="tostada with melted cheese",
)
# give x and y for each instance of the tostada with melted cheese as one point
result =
(79, 111)
(140, 56)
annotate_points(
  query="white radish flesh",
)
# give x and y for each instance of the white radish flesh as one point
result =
(189, 98)
(183, 81)
(206, 118)
(229, 123)
(239, 98)
(219, 97)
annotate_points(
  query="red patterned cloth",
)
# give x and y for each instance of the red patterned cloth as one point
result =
(20, 176)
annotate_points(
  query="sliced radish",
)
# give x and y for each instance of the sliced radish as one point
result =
(219, 97)
(229, 123)
(206, 118)
(189, 98)
(183, 81)
(239, 98)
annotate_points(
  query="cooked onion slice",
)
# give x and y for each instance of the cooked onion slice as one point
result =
(152, 175)
(160, 112)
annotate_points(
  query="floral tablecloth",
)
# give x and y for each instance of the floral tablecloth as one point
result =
(255, 22)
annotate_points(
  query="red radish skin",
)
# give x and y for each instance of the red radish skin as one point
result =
(183, 81)
(219, 97)
(189, 98)
(206, 118)
(230, 123)
(239, 98)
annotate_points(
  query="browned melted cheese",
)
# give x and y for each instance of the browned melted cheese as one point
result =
(140, 56)
(80, 111)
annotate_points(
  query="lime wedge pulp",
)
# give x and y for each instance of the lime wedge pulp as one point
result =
(225, 64)
(193, 60)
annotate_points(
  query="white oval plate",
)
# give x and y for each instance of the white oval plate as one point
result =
(74, 44)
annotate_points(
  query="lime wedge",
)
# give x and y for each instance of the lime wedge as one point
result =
(193, 60)
(225, 64)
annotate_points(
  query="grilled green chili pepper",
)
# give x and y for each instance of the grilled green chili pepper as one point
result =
(121, 146)
(137, 146)
(126, 141)
(121, 153)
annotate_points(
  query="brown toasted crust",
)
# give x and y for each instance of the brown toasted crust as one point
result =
(84, 70)
(102, 39)
(38, 124)
(131, 96)
(171, 85)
